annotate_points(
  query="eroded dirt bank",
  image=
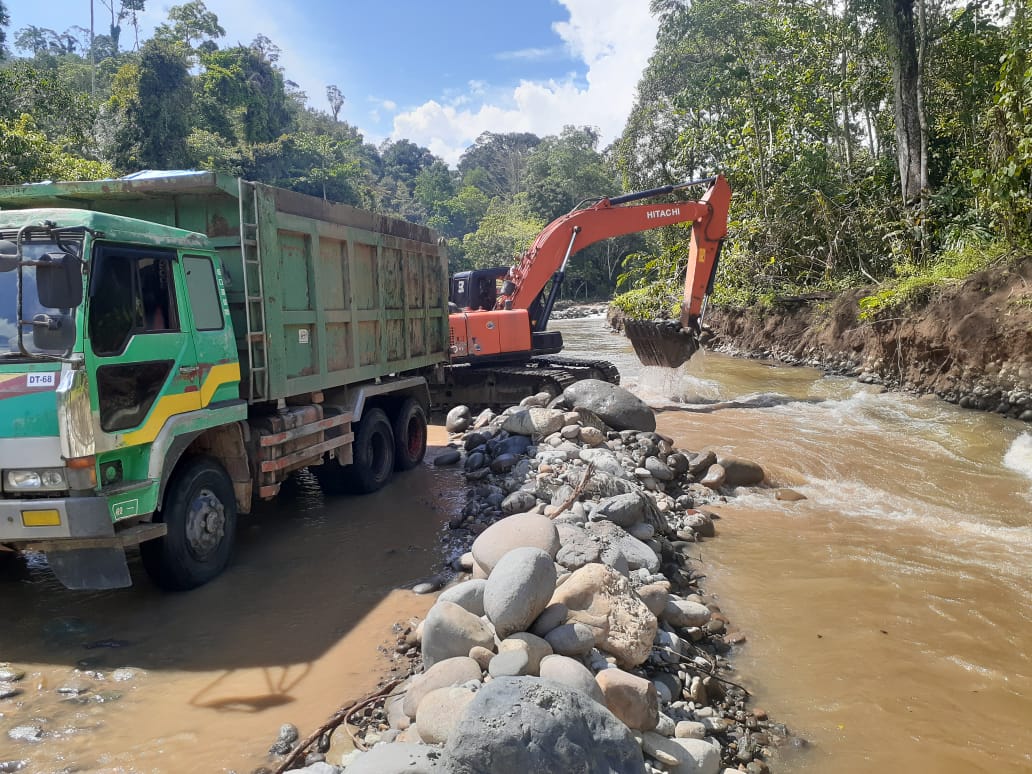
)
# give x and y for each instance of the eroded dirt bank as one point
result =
(970, 344)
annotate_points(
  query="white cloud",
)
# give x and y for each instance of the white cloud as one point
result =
(529, 54)
(614, 39)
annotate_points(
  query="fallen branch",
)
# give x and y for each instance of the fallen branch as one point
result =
(576, 492)
(340, 716)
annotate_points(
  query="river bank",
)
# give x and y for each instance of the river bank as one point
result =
(970, 343)
(581, 523)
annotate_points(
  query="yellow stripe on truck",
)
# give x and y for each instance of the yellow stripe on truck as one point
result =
(170, 405)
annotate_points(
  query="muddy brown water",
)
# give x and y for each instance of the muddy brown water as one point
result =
(889, 615)
(297, 626)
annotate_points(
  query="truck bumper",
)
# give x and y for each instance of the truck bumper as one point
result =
(30, 521)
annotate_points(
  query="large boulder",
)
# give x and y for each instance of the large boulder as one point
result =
(451, 671)
(600, 597)
(518, 589)
(623, 510)
(399, 758)
(518, 531)
(573, 674)
(468, 595)
(439, 711)
(516, 725)
(615, 541)
(534, 421)
(631, 698)
(450, 630)
(614, 405)
(740, 472)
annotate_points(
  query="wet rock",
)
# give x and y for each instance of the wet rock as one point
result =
(450, 631)
(75, 687)
(518, 589)
(700, 523)
(10, 674)
(573, 674)
(715, 476)
(288, 736)
(617, 407)
(447, 457)
(469, 595)
(599, 593)
(740, 472)
(399, 758)
(439, 712)
(701, 462)
(631, 698)
(125, 674)
(26, 733)
(9, 691)
(451, 671)
(429, 586)
(518, 531)
(788, 495)
(572, 733)
(458, 420)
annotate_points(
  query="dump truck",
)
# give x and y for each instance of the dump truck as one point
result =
(174, 346)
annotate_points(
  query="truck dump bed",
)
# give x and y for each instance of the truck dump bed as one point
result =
(321, 294)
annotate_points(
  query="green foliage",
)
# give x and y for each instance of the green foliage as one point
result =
(505, 232)
(5, 20)
(495, 163)
(28, 155)
(660, 301)
(915, 284)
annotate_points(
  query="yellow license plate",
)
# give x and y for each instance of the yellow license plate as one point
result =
(41, 518)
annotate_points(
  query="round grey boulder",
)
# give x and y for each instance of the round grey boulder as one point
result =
(516, 725)
(573, 674)
(519, 589)
(468, 595)
(449, 631)
(518, 531)
(617, 407)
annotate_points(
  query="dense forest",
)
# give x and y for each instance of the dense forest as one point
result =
(865, 141)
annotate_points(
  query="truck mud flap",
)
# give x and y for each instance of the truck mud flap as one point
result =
(660, 342)
(91, 568)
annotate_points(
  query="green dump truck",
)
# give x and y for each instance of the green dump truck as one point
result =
(174, 345)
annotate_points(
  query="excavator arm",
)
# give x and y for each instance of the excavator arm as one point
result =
(546, 259)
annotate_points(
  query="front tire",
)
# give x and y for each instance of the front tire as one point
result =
(409, 435)
(200, 512)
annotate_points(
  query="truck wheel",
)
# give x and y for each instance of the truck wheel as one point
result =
(200, 512)
(373, 454)
(409, 435)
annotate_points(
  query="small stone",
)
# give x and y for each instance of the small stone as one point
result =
(788, 495)
(75, 687)
(459, 419)
(510, 663)
(690, 729)
(447, 457)
(631, 698)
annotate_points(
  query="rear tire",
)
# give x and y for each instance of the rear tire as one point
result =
(409, 427)
(372, 453)
(200, 512)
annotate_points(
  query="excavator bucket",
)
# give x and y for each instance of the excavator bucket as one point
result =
(661, 342)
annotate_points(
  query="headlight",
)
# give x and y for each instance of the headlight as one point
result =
(47, 479)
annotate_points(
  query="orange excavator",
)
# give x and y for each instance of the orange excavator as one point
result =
(500, 315)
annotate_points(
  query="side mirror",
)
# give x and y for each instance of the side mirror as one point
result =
(53, 333)
(8, 255)
(59, 281)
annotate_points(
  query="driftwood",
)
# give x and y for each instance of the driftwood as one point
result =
(338, 717)
(576, 492)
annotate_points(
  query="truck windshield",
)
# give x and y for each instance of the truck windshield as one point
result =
(45, 330)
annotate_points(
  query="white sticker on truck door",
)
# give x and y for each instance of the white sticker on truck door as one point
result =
(41, 379)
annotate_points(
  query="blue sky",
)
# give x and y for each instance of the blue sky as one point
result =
(437, 73)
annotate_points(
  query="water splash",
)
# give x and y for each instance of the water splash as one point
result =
(1019, 456)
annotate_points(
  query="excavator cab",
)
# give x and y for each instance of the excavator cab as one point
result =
(476, 289)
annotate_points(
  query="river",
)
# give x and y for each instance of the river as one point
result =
(888, 615)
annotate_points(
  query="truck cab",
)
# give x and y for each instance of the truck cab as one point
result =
(116, 345)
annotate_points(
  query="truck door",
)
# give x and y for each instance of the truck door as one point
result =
(143, 355)
(218, 366)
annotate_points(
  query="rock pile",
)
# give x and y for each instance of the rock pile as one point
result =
(580, 643)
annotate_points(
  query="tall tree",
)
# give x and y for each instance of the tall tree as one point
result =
(191, 22)
(152, 99)
(336, 99)
(911, 155)
(495, 163)
(5, 20)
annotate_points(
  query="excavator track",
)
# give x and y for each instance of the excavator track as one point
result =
(496, 387)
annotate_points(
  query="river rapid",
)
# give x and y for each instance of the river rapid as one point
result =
(888, 615)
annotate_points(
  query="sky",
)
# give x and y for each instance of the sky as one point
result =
(437, 73)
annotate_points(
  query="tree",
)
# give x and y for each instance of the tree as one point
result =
(5, 20)
(191, 22)
(336, 99)
(121, 10)
(35, 40)
(403, 160)
(495, 163)
(152, 99)
(504, 233)
(911, 154)
(561, 171)
(28, 155)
